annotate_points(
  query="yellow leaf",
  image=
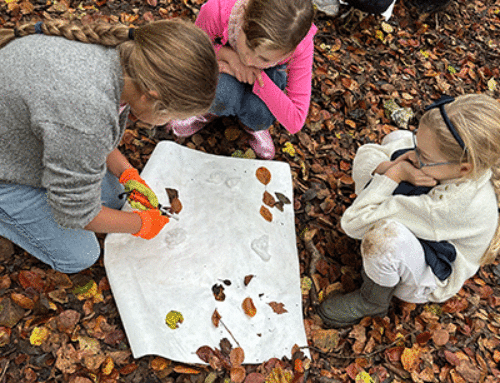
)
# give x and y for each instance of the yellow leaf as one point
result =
(379, 35)
(289, 149)
(173, 318)
(410, 358)
(305, 285)
(364, 377)
(278, 375)
(39, 335)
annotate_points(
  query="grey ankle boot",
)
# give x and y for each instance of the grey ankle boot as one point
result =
(344, 310)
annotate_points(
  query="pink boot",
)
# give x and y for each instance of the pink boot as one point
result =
(191, 125)
(262, 143)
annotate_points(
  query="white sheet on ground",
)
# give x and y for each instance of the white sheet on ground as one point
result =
(220, 235)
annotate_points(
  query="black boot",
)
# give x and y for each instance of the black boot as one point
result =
(345, 310)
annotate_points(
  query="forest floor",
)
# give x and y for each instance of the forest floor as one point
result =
(66, 328)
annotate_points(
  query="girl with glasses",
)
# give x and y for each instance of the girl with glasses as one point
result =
(426, 209)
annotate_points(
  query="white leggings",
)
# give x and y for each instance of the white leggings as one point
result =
(392, 255)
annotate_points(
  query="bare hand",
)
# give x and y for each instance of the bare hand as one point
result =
(230, 63)
(405, 171)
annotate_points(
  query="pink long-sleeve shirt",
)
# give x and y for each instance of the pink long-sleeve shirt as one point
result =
(290, 107)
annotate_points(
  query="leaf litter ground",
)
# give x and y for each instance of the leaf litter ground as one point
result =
(59, 328)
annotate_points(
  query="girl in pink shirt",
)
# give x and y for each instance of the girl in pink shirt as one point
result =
(265, 53)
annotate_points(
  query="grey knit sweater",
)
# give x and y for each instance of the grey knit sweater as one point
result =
(59, 120)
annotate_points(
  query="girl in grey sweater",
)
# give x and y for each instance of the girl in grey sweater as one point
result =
(60, 125)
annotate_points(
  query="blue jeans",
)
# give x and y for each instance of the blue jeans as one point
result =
(234, 98)
(27, 221)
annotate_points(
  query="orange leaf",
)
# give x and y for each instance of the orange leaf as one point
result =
(263, 175)
(410, 358)
(159, 363)
(23, 301)
(440, 337)
(248, 307)
(264, 212)
(236, 356)
(185, 370)
(237, 374)
(248, 278)
(108, 366)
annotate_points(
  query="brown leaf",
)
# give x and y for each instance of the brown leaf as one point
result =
(204, 353)
(216, 318)
(31, 279)
(263, 175)
(172, 194)
(264, 212)
(255, 377)
(218, 291)
(282, 198)
(469, 372)
(232, 133)
(440, 337)
(176, 205)
(278, 308)
(325, 340)
(248, 307)
(152, 3)
(248, 278)
(236, 356)
(10, 313)
(185, 370)
(268, 199)
(67, 320)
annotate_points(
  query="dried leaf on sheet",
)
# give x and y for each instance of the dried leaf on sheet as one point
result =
(264, 212)
(216, 318)
(172, 194)
(263, 175)
(282, 198)
(248, 307)
(173, 319)
(278, 308)
(218, 291)
(247, 279)
(237, 356)
(268, 199)
(176, 205)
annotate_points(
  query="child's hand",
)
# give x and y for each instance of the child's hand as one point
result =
(135, 185)
(406, 171)
(230, 63)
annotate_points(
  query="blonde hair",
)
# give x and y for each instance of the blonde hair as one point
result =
(173, 58)
(476, 117)
(277, 24)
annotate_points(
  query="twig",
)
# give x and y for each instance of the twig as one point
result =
(315, 257)
(4, 370)
(230, 333)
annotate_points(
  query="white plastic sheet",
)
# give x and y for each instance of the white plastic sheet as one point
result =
(220, 237)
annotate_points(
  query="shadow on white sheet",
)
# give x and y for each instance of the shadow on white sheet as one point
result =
(220, 236)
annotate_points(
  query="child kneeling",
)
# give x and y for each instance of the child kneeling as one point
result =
(426, 210)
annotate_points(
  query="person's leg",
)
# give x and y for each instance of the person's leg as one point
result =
(393, 264)
(227, 102)
(26, 220)
(257, 117)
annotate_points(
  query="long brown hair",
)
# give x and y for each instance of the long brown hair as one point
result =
(173, 58)
(277, 24)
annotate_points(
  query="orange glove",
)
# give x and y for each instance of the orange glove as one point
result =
(152, 223)
(140, 195)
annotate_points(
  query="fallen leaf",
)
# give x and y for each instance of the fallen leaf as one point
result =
(325, 340)
(39, 335)
(440, 337)
(410, 358)
(31, 279)
(172, 194)
(236, 356)
(278, 308)
(22, 301)
(10, 313)
(268, 199)
(263, 175)
(247, 279)
(186, 370)
(232, 133)
(173, 319)
(237, 374)
(204, 353)
(176, 205)
(282, 198)
(264, 212)
(218, 291)
(248, 307)
(216, 318)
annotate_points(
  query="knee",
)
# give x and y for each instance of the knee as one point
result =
(381, 239)
(70, 261)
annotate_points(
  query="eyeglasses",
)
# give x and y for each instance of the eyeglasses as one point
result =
(417, 152)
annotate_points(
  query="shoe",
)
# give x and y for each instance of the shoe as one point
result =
(344, 310)
(262, 143)
(189, 126)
